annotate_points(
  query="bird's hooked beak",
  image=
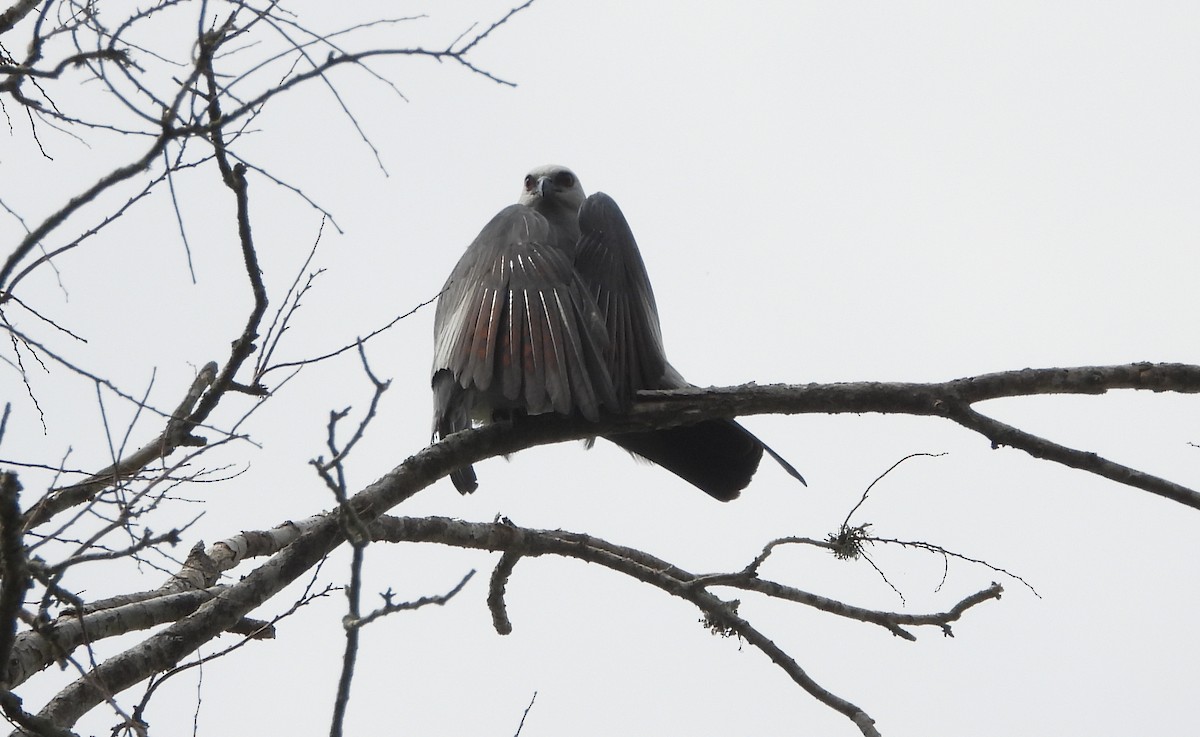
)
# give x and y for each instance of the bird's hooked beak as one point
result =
(545, 187)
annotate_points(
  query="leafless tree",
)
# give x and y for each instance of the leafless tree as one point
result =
(171, 90)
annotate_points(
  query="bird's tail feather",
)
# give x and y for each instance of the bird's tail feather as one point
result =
(719, 457)
(791, 470)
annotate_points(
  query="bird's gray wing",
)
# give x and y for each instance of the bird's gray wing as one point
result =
(515, 321)
(608, 261)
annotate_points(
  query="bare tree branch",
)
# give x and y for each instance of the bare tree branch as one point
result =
(949, 400)
(324, 533)
(721, 615)
(13, 566)
(172, 437)
(15, 14)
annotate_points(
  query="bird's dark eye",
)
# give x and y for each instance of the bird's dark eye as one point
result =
(564, 179)
(529, 182)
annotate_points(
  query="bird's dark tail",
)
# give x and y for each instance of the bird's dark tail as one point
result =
(719, 457)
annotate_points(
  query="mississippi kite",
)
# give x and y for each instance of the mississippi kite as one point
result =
(550, 310)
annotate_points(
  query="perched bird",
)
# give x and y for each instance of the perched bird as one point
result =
(550, 310)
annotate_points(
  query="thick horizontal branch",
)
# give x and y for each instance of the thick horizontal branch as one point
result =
(951, 400)
(921, 398)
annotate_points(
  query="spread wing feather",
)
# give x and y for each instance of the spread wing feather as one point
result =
(608, 261)
(515, 324)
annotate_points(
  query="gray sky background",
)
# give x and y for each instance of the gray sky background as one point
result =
(822, 192)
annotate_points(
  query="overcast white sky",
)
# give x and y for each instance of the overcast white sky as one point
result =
(822, 192)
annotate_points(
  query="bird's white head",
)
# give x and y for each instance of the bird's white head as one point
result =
(552, 187)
